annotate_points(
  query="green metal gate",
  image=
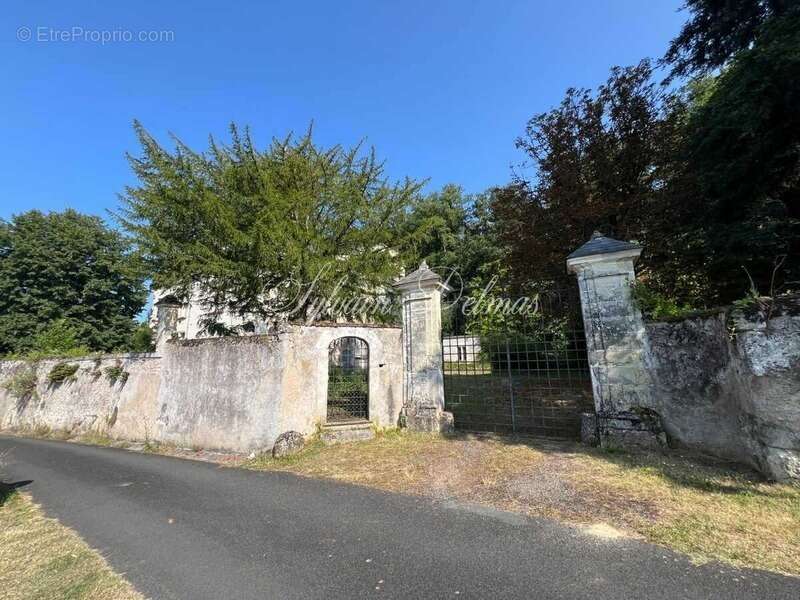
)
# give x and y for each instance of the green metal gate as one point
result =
(348, 380)
(532, 380)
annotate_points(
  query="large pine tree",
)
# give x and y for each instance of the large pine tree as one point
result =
(254, 228)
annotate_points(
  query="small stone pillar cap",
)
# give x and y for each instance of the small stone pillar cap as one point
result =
(601, 248)
(423, 278)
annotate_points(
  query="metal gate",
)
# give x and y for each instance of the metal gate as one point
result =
(348, 380)
(532, 380)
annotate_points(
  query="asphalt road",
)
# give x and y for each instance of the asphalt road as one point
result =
(192, 530)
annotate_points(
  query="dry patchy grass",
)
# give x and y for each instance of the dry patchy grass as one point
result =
(707, 509)
(42, 559)
(408, 462)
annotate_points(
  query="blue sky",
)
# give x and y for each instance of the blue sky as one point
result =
(441, 89)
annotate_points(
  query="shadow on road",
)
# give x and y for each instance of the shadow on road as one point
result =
(9, 487)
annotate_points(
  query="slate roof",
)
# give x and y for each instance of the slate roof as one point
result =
(600, 244)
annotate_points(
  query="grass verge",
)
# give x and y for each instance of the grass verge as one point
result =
(42, 559)
(701, 507)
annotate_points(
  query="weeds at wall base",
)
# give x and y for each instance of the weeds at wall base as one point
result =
(90, 437)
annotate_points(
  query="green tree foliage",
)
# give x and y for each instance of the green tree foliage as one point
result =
(655, 305)
(492, 304)
(252, 227)
(141, 339)
(719, 29)
(705, 177)
(454, 233)
(601, 161)
(59, 338)
(743, 147)
(65, 280)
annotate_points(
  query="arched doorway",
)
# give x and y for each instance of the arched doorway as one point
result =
(348, 380)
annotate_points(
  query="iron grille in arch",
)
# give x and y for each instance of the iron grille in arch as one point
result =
(348, 380)
(532, 378)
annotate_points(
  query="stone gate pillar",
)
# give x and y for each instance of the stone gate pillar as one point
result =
(615, 339)
(423, 389)
(166, 311)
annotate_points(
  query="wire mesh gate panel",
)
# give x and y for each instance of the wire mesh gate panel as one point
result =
(532, 381)
(348, 380)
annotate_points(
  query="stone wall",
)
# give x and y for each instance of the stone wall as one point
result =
(730, 386)
(726, 384)
(221, 392)
(697, 391)
(305, 380)
(89, 401)
(236, 393)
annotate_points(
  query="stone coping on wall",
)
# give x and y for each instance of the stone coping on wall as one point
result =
(264, 338)
(267, 338)
(230, 339)
(756, 317)
(87, 358)
(701, 313)
(780, 306)
(365, 325)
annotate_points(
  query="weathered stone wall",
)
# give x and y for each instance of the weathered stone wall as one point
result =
(698, 392)
(727, 385)
(770, 357)
(305, 380)
(730, 386)
(90, 401)
(236, 393)
(221, 392)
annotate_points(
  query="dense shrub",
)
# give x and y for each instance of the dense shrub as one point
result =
(23, 384)
(535, 352)
(62, 372)
(141, 339)
(657, 306)
(116, 373)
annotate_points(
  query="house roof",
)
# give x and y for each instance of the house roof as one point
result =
(600, 244)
